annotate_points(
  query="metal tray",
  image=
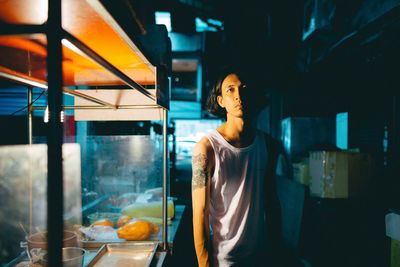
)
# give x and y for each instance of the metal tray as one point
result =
(94, 244)
(138, 254)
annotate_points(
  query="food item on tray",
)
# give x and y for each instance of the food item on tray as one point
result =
(155, 229)
(150, 209)
(136, 230)
(100, 233)
(111, 216)
(124, 219)
(103, 222)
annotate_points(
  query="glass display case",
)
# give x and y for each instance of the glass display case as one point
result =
(102, 189)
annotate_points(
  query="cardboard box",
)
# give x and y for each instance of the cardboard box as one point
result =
(339, 174)
(392, 221)
(395, 253)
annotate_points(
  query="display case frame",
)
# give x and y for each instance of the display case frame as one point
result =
(56, 37)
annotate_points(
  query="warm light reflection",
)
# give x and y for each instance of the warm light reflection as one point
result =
(72, 47)
(28, 53)
(24, 11)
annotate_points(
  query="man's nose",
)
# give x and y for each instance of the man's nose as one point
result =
(237, 95)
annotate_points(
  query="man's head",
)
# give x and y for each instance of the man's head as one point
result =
(234, 93)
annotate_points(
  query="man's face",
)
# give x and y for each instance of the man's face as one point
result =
(234, 96)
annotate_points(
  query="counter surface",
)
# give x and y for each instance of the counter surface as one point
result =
(160, 255)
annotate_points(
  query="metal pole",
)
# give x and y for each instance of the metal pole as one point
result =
(54, 135)
(30, 110)
(165, 180)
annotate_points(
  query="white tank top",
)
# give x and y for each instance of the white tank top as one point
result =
(236, 210)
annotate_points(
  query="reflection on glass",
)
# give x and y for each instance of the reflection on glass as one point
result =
(23, 194)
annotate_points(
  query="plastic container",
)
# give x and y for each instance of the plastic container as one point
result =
(73, 257)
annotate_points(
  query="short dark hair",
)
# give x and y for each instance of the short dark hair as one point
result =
(212, 103)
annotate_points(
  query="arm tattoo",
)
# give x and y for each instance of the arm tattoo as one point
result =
(200, 173)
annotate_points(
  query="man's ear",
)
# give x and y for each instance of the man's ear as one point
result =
(220, 101)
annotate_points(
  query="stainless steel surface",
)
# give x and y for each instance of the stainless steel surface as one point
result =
(23, 79)
(165, 180)
(104, 107)
(79, 94)
(125, 254)
(160, 258)
(42, 84)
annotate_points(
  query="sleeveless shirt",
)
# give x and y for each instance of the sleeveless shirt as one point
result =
(236, 205)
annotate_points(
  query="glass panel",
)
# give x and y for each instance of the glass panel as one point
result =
(122, 180)
(23, 194)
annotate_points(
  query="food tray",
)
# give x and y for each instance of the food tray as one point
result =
(138, 254)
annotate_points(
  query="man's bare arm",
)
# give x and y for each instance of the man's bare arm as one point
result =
(200, 173)
(200, 177)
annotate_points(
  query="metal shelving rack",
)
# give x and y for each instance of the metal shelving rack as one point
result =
(26, 27)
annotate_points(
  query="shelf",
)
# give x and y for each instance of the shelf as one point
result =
(96, 54)
(129, 105)
(96, 51)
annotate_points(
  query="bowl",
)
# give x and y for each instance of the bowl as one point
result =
(39, 240)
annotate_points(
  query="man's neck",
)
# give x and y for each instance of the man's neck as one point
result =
(238, 132)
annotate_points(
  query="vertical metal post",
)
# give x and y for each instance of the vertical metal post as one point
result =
(54, 135)
(30, 110)
(165, 180)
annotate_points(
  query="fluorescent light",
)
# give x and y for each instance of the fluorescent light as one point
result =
(46, 115)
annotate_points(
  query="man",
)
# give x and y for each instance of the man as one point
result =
(235, 205)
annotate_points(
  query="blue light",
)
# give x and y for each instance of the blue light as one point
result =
(202, 26)
(342, 130)
(164, 18)
(286, 133)
(216, 23)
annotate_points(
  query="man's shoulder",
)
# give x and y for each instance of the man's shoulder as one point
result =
(203, 146)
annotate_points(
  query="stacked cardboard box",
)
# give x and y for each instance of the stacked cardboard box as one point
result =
(393, 231)
(341, 174)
